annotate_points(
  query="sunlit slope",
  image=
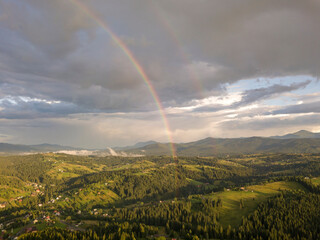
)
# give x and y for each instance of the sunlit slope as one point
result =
(231, 212)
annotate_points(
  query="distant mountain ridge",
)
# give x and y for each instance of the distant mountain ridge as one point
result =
(299, 142)
(137, 145)
(299, 134)
(219, 146)
(45, 147)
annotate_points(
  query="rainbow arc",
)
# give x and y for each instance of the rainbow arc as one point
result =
(136, 65)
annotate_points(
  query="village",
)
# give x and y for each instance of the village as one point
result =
(45, 214)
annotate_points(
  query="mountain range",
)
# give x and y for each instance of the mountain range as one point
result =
(45, 147)
(299, 134)
(137, 145)
(298, 142)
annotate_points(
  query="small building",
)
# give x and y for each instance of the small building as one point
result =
(3, 205)
(30, 229)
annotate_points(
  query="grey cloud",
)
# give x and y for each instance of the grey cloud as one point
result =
(50, 26)
(254, 95)
(250, 96)
(90, 98)
(313, 107)
(250, 38)
(265, 124)
(57, 40)
(19, 108)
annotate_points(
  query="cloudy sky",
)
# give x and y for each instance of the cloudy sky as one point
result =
(220, 69)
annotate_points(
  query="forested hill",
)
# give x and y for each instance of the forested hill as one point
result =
(221, 146)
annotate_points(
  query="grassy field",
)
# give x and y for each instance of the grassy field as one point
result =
(230, 213)
(91, 195)
(316, 181)
(7, 193)
(66, 170)
(140, 165)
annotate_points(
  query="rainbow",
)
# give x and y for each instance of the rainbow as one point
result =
(136, 65)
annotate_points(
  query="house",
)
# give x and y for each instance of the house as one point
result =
(2, 205)
(9, 224)
(30, 229)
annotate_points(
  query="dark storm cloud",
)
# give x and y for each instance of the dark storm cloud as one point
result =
(246, 39)
(250, 38)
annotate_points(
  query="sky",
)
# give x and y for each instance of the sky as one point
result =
(98, 73)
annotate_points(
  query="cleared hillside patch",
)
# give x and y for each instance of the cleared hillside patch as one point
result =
(231, 212)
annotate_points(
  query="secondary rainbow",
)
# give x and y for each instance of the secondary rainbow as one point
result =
(168, 27)
(137, 66)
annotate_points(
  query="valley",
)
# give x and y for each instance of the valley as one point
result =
(146, 197)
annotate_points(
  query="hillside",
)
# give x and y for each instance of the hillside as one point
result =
(137, 145)
(208, 197)
(221, 146)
